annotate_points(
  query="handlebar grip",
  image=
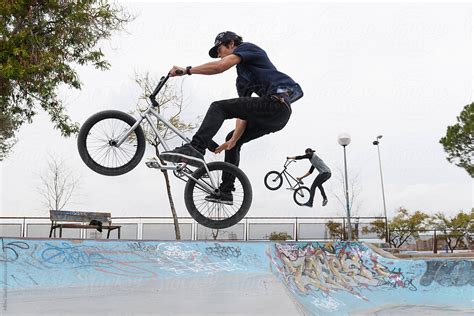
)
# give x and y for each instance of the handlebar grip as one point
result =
(179, 72)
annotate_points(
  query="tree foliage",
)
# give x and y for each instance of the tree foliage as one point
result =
(337, 232)
(455, 229)
(459, 140)
(402, 227)
(279, 236)
(40, 43)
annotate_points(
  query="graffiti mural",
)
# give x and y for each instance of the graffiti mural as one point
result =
(321, 278)
(77, 256)
(335, 267)
(223, 251)
(448, 273)
(10, 250)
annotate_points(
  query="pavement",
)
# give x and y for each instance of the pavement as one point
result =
(129, 277)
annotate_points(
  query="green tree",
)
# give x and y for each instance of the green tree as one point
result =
(279, 236)
(336, 232)
(377, 227)
(40, 43)
(402, 227)
(459, 140)
(455, 229)
(170, 100)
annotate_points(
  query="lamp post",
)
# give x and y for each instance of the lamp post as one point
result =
(376, 142)
(344, 139)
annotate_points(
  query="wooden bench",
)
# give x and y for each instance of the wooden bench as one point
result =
(63, 219)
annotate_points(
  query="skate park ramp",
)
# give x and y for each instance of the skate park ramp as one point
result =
(62, 277)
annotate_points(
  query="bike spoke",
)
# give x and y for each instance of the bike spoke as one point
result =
(216, 210)
(101, 143)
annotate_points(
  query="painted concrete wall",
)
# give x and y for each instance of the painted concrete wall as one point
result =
(321, 278)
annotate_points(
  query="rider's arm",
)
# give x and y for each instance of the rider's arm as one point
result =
(240, 126)
(300, 157)
(307, 173)
(210, 68)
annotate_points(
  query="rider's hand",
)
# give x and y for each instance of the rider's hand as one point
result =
(173, 71)
(228, 145)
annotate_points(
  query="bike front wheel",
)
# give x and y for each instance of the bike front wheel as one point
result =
(301, 195)
(273, 180)
(97, 143)
(217, 214)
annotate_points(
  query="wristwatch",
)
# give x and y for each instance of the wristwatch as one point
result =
(188, 70)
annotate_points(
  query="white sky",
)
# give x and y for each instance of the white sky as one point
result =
(403, 70)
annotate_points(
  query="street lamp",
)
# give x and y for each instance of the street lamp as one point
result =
(344, 139)
(376, 142)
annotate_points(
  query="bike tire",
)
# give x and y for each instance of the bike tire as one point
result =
(196, 208)
(131, 151)
(301, 195)
(273, 180)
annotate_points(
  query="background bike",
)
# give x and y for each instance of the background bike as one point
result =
(112, 143)
(274, 180)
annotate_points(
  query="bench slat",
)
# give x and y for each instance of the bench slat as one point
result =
(86, 226)
(76, 216)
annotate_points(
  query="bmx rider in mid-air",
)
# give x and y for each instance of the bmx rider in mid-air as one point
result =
(256, 116)
(323, 176)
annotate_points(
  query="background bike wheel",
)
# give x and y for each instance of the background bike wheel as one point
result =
(215, 214)
(301, 195)
(273, 180)
(96, 143)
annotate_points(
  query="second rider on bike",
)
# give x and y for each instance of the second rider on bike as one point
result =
(256, 116)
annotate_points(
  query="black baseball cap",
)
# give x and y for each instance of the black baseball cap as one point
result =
(222, 37)
(307, 150)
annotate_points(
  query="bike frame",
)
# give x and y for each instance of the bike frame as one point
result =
(147, 115)
(286, 174)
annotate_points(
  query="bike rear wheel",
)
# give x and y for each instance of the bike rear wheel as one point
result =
(217, 215)
(273, 180)
(301, 195)
(97, 143)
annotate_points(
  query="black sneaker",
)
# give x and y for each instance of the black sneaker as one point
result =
(307, 204)
(185, 154)
(325, 201)
(223, 197)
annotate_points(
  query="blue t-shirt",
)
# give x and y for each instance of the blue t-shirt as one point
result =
(256, 74)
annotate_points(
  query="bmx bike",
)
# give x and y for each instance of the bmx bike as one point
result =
(112, 143)
(274, 180)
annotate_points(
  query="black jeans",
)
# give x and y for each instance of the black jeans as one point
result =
(264, 115)
(318, 182)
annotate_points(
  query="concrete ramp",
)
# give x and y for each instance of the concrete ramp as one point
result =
(191, 278)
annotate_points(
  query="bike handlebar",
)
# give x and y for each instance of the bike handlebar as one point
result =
(212, 144)
(161, 84)
(158, 88)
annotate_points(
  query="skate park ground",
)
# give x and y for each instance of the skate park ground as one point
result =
(129, 277)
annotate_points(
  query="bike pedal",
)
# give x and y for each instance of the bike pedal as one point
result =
(153, 164)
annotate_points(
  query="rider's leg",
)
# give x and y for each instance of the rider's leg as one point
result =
(316, 183)
(325, 176)
(266, 111)
(252, 131)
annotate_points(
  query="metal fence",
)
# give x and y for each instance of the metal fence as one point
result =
(162, 228)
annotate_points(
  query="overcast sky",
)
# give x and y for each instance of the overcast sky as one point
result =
(402, 70)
